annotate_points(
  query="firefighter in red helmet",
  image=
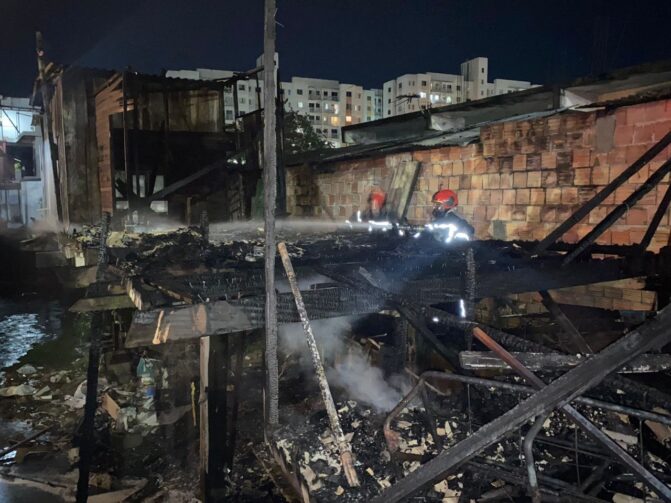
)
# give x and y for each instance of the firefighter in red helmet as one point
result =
(444, 213)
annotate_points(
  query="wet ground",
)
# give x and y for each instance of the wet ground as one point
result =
(38, 331)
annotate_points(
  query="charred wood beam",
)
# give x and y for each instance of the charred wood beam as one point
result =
(173, 187)
(87, 447)
(656, 220)
(527, 277)
(584, 210)
(364, 281)
(344, 447)
(568, 328)
(575, 382)
(653, 396)
(619, 210)
(594, 431)
(550, 362)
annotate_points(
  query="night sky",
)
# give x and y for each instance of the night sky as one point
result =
(356, 41)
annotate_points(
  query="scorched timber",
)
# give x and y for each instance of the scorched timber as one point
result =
(575, 382)
(480, 360)
(182, 323)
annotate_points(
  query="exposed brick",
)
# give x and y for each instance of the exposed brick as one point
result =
(522, 196)
(505, 212)
(496, 197)
(480, 166)
(585, 194)
(519, 213)
(534, 179)
(549, 160)
(643, 133)
(600, 175)
(533, 214)
(492, 181)
(581, 158)
(437, 170)
(519, 180)
(549, 178)
(636, 216)
(569, 195)
(624, 135)
(533, 161)
(553, 196)
(582, 176)
(506, 181)
(509, 197)
(634, 152)
(491, 212)
(476, 181)
(458, 167)
(537, 197)
(519, 162)
(453, 183)
(492, 165)
(660, 129)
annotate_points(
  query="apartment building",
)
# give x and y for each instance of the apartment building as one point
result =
(328, 104)
(413, 92)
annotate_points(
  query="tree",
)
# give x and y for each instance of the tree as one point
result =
(299, 136)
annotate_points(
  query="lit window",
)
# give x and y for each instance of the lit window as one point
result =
(336, 107)
(326, 106)
(348, 118)
(422, 94)
(300, 104)
(448, 99)
(335, 121)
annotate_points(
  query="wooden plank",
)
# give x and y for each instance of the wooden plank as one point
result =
(401, 186)
(481, 360)
(107, 303)
(186, 323)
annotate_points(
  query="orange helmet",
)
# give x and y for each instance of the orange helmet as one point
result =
(377, 199)
(446, 198)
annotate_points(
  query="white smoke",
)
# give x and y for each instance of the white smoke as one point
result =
(347, 365)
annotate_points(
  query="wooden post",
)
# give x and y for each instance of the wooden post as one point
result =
(343, 445)
(270, 196)
(203, 416)
(86, 448)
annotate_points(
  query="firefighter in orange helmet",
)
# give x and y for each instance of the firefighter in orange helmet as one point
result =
(444, 213)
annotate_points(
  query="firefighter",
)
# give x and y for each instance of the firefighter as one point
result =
(446, 223)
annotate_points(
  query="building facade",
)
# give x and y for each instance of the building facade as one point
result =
(330, 104)
(417, 91)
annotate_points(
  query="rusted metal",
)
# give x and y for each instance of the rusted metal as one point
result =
(343, 445)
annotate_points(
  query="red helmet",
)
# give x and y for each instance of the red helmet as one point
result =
(446, 198)
(377, 199)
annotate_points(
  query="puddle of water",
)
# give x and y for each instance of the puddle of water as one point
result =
(38, 331)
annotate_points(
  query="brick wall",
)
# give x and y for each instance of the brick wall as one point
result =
(520, 181)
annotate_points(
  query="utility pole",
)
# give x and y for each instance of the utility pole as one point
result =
(270, 197)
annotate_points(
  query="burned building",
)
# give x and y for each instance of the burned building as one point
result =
(525, 359)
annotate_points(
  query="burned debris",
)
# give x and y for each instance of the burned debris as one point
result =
(470, 304)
